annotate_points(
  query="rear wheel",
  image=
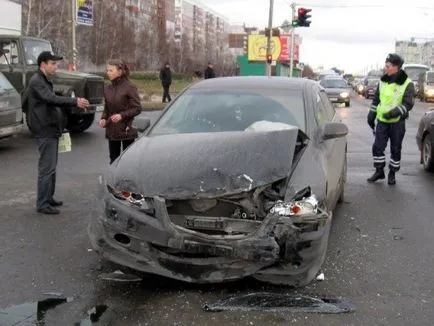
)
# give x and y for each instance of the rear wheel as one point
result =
(427, 157)
(79, 123)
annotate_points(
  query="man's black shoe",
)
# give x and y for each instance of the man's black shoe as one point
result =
(378, 175)
(391, 178)
(49, 210)
(55, 203)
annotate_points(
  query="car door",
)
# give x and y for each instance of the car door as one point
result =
(333, 149)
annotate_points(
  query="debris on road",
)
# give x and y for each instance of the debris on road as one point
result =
(277, 302)
(119, 276)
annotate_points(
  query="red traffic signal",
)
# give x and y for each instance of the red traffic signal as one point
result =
(301, 11)
(303, 17)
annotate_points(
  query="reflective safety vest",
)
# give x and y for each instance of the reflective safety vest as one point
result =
(390, 97)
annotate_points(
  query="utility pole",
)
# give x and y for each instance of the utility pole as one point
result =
(72, 45)
(291, 59)
(270, 35)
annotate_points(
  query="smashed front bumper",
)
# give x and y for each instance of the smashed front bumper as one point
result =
(279, 249)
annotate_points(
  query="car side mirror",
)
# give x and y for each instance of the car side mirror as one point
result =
(334, 130)
(141, 124)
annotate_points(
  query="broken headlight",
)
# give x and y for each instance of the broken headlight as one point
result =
(133, 198)
(305, 206)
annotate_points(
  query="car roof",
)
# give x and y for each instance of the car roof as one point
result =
(252, 82)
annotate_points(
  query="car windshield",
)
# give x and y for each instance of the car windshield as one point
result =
(32, 49)
(232, 110)
(333, 83)
(5, 85)
(414, 72)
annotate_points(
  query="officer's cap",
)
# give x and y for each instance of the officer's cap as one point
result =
(395, 59)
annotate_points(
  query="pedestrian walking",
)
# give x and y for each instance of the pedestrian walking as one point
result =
(209, 71)
(394, 98)
(166, 81)
(121, 105)
(46, 123)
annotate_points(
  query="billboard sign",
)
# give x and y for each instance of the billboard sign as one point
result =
(280, 48)
(84, 12)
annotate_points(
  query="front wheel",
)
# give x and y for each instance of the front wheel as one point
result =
(427, 157)
(79, 123)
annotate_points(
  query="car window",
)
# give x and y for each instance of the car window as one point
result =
(232, 110)
(328, 107)
(320, 110)
(5, 85)
(11, 56)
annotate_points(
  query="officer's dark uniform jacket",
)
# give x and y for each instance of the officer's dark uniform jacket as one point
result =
(409, 93)
(44, 107)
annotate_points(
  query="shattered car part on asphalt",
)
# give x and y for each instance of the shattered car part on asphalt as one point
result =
(218, 206)
(277, 302)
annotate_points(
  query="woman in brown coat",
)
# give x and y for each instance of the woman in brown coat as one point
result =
(122, 104)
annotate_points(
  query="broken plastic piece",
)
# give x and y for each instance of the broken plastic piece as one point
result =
(320, 277)
(118, 276)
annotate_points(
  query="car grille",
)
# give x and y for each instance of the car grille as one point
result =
(94, 91)
(8, 119)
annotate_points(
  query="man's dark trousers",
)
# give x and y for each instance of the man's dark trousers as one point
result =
(48, 154)
(166, 94)
(385, 131)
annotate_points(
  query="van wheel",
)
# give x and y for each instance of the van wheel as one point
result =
(79, 123)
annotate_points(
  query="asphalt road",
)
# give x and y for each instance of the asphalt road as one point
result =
(379, 257)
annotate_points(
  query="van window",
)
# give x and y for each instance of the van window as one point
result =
(5, 85)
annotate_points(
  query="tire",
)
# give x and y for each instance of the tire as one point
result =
(347, 104)
(344, 180)
(79, 123)
(427, 154)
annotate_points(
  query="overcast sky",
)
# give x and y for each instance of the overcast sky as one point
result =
(349, 34)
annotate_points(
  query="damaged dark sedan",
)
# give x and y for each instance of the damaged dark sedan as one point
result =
(238, 177)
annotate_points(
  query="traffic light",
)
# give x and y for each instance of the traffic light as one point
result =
(269, 59)
(303, 17)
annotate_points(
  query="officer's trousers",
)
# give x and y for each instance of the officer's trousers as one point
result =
(385, 131)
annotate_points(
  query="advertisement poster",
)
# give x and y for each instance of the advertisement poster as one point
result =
(280, 48)
(84, 12)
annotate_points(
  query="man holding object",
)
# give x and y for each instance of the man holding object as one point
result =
(46, 124)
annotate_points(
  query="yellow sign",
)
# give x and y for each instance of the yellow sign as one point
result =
(257, 47)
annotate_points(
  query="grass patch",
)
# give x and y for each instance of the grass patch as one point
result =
(154, 86)
(153, 106)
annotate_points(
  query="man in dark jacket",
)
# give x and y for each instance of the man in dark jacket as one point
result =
(46, 124)
(393, 99)
(166, 81)
(209, 71)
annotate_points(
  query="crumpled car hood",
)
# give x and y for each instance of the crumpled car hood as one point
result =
(204, 165)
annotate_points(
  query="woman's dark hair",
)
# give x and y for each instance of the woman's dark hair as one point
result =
(121, 65)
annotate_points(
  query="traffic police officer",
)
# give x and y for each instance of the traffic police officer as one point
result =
(393, 99)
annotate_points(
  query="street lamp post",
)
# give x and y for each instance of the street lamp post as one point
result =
(269, 37)
(72, 46)
(291, 62)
